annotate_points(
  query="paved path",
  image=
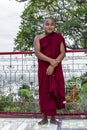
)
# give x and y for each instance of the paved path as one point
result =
(32, 124)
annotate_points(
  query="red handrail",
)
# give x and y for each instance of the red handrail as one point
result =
(31, 52)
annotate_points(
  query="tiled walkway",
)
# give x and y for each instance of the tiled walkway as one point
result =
(32, 124)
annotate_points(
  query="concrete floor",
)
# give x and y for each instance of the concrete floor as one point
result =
(32, 124)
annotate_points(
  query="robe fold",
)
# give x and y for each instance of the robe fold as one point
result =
(51, 88)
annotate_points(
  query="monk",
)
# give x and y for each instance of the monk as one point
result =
(50, 50)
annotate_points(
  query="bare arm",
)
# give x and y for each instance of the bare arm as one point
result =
(62, 53)
(50, 68)
(41, 55)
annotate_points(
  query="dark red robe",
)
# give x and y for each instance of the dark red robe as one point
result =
(51, 88)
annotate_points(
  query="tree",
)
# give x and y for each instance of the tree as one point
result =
(71, 20)
(20, 0)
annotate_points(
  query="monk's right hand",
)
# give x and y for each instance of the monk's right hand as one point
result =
(50, 70)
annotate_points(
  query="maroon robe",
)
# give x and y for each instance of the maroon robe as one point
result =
(51, 88)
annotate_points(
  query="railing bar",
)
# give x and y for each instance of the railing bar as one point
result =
(32, 52)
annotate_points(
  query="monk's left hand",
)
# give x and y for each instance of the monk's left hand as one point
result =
(54, 62)
(50, 70)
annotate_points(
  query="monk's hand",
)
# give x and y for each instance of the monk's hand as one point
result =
(50, 70)
(54, 62)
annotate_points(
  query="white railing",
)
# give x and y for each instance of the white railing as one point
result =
(18, 70)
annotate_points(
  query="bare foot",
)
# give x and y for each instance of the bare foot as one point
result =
(43, 122)
(54, 122)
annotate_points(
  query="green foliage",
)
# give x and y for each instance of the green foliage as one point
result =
(2, 105)
(84, 89)
(80, 104)
(25, 102)
(25, 86)
(12, 109)
(82, 107)
(24, 94)
(71, 20)
(70, 84)
(9, 98)
(84, 78)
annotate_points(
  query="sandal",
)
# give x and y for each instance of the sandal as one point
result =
(54, 122)
(43, 122)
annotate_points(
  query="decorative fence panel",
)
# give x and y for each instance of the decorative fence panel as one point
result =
(19, 81)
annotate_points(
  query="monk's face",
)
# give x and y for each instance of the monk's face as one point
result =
(49, 26)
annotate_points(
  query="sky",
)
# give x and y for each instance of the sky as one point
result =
(10, 12)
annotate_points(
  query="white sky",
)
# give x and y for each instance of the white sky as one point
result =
(10, 12)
